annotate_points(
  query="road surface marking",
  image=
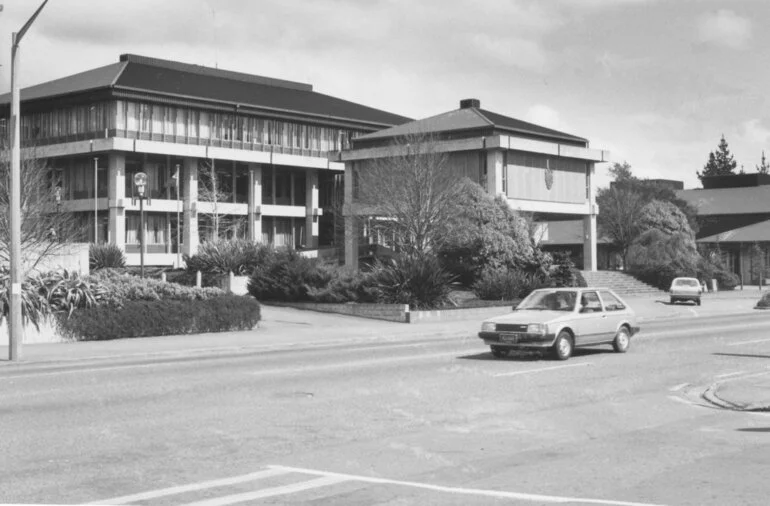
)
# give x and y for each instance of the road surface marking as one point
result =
(154, 494)
(324, 481)
(740, 343)
(693, 311)
(683, 400)
(466, 491)
(359, 363)
(542, 369)
(678, 387)
(728, 374)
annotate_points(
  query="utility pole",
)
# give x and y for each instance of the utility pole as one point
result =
(15, 329)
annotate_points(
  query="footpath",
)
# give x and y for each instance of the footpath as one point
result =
(284, 328)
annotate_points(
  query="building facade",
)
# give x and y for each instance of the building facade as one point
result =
(734, 222)
(226, 154)
(537, 170)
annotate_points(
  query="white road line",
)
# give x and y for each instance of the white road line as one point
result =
(542, 369)
(678, 387)
(728, 374)
(154, 494)
(271, 492)
(683, 401)
(741, 343)
(359, 363)
(466, 491)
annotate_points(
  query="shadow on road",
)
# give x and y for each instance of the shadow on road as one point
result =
(532, 356)
(754, 429)
(746, 355)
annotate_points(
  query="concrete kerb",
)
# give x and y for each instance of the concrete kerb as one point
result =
(714, 395)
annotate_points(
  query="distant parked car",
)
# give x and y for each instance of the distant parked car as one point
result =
(561, 319)
(683, 289)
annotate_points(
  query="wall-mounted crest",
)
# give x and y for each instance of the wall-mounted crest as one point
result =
(548, 175)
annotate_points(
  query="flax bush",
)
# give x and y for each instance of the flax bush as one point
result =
(103, 256)
(238, 256)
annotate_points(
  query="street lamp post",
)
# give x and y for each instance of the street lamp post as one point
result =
(140, 180)
(14, 320)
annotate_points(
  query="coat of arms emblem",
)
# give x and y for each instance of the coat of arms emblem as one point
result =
(548, 176)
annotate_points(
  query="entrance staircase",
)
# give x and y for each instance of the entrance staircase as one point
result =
(620, 282)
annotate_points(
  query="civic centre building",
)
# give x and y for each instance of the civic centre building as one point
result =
(278, 151)
(537, 170)
(266, 140)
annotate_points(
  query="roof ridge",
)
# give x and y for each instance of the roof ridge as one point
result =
(478, 112)
(215, 72)
(123, 66)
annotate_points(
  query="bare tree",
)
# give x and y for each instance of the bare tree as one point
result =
(209, 190)
(45, 227)
(413, 192)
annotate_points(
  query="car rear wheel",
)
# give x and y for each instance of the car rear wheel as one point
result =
(622, 340)
(562, 348)
(499, 351)
(673, 300)
(697, 301)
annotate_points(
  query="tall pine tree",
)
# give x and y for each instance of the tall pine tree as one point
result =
(763, 168)
(721, 162)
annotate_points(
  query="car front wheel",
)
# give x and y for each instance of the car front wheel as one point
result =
(499, 351)
(562, 348)
(622, 340)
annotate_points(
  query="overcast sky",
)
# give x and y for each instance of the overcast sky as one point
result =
(656, 82)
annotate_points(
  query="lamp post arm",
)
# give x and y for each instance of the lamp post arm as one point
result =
(29, 22)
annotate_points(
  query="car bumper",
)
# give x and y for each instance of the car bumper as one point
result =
(685, 296)
(524, 342)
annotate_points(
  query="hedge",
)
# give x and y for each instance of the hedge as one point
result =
(145, 318)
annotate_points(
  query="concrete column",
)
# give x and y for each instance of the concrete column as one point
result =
(589, 223)
(351, 228)
(311, 204)
(255, 203)
(589, 243)
(116, 169)
(190, 192)
(495, 172)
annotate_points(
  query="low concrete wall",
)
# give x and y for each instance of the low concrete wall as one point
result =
(47, 333)
(70, 256)
(235, 284)
(448, 315)
(398, 312)
(389, 312)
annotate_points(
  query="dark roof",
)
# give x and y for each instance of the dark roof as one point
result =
(745, 200)
(470, 118)
(751, 233)
(193, 82)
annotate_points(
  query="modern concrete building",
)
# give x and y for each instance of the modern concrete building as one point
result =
(265, 141)
(538, 170)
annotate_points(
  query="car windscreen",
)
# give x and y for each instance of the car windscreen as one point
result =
(686, 282)
(549, 301)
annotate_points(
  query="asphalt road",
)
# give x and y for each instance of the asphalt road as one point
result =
(425, 420)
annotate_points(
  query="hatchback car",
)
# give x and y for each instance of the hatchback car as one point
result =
(685, 289)
(560, 320)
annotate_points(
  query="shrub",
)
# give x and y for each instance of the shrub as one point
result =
(419, 281)
(563, 271)
(238, 256)
(579, 279)
(121, 288)
(506, 284)
(101, 256)
(764, 302)
(34, 306)
(66, 291)
(287, 276)
(726, 280)
(158, 318)
(346, 285)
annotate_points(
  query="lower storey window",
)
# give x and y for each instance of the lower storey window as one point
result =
(284, 232)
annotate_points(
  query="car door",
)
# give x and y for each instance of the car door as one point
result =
(591, 320)
(615, 312)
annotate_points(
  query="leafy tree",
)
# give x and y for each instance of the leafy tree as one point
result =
(414, 189)
(666, 217)
(763, 167)
(621, 172)
(618, 219)
(720, 163)
(485, 231)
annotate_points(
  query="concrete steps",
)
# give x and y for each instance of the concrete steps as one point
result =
(620, 282)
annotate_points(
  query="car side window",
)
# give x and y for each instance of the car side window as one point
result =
(611, 303)
(590, 303)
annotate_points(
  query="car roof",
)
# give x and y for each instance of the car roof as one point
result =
(690, 279)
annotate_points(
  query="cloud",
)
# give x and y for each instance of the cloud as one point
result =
(753, 131)
(511, 51)
(724, 28)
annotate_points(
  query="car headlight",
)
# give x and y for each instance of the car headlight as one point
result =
(487, 327)
(536, 328)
